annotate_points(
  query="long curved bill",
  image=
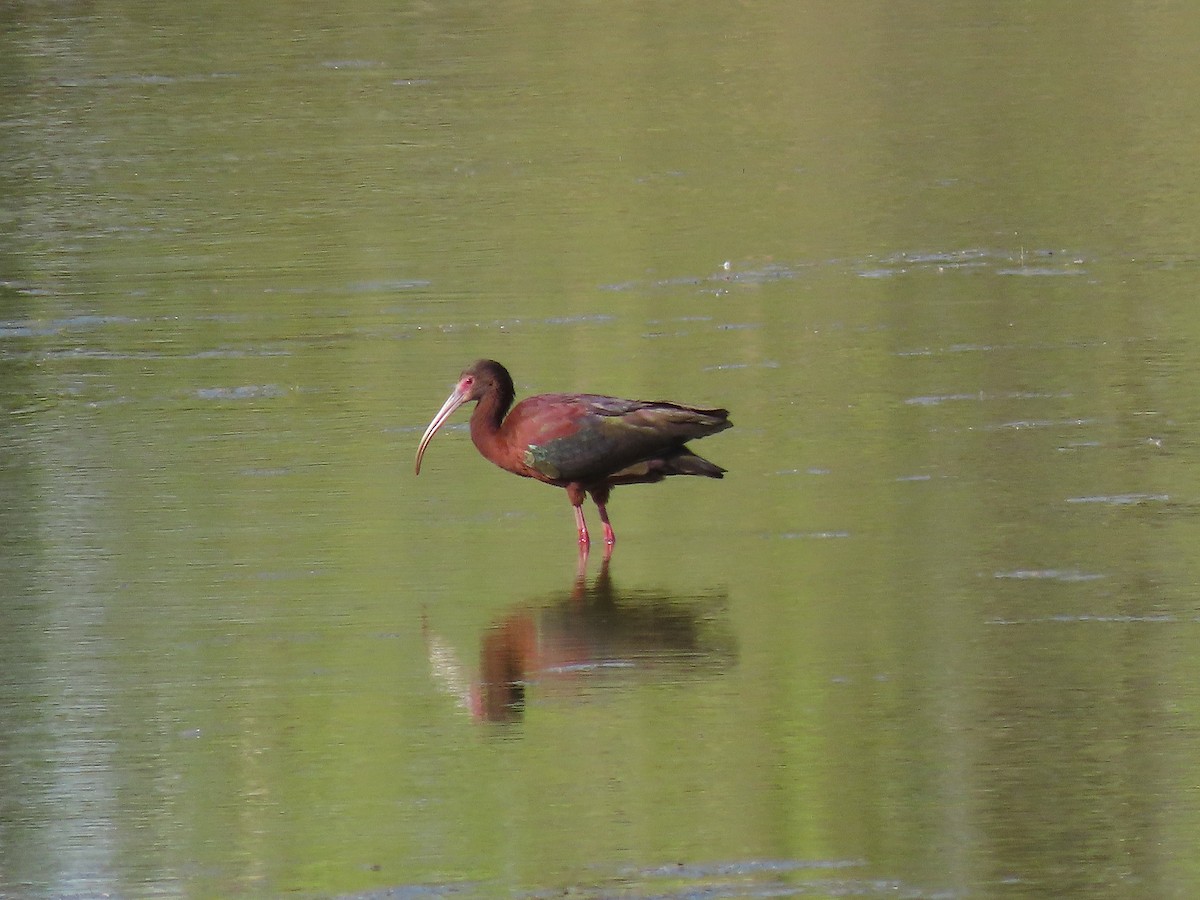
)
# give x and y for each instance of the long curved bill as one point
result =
(453, 402)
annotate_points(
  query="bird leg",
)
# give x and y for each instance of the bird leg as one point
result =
(600, 498)
(609, 537)
(584, 540)
(577, 494)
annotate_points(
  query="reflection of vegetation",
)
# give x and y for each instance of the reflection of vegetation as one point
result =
(27, 672)
(563, 643)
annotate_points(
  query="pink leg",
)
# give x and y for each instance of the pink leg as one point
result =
(581, 525)
(609, 537)
(600, 498)
(576, 494)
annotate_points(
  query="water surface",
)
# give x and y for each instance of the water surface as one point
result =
(933, 635)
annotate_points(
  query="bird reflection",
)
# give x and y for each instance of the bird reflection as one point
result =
(562, 643)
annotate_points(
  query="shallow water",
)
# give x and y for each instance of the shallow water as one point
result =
(932, 636)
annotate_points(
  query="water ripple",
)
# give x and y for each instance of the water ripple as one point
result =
(938, 399)
(1085, 618)
(1121, 499)
(1070, 575)
(244, 392)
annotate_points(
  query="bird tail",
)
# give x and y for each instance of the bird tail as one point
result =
(680, 461)
(685, 462)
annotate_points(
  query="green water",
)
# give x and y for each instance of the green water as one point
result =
(933, 635)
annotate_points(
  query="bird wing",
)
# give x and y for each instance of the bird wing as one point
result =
(587, 437)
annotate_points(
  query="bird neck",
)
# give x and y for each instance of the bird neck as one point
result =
(486, 421)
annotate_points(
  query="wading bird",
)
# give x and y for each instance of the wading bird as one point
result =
(586, 443)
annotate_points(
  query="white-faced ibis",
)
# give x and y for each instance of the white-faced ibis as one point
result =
(586, 443)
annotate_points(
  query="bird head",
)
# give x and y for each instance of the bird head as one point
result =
(483, 378)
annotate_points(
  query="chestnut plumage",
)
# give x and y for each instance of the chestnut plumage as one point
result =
(585, 443)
